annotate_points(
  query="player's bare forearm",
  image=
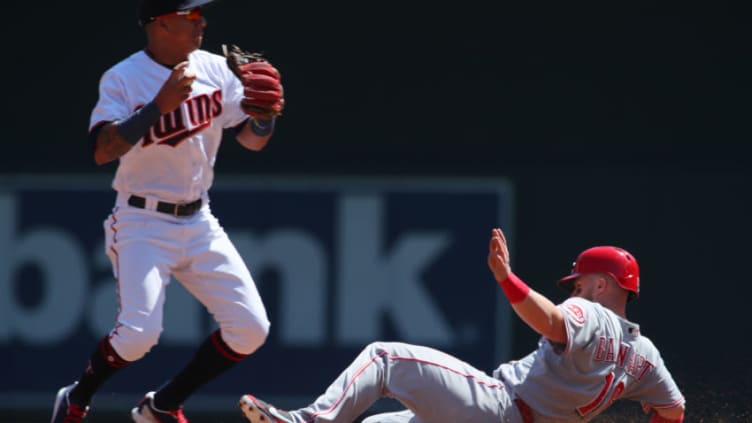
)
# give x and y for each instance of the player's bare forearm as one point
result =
(110, 145)
(542, 316)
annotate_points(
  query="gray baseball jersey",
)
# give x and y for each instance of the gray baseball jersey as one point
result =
(605, 358)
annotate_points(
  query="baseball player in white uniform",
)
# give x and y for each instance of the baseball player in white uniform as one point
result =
(589, 356)
(162, 112)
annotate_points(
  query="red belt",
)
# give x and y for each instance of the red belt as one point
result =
(525, 411)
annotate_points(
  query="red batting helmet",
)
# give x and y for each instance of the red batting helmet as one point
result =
(614, 261)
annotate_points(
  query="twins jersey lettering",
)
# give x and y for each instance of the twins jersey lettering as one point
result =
(605, 359)
(174, 161)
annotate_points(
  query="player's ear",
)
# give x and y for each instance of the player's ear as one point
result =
(155, 26)
(159, 24)
(601, 283)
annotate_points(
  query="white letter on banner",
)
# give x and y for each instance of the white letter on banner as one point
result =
(300, 261)
(372, 283)
(62, 265)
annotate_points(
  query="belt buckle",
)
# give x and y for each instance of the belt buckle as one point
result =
(175, 210)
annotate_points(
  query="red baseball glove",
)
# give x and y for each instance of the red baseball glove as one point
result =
(263, 96)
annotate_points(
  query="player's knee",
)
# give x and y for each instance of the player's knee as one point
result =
(133, 344)
(246, 337)
(380, 346)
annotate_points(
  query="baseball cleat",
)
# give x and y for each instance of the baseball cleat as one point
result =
(257, 411)
(146, 412)
(64, 411)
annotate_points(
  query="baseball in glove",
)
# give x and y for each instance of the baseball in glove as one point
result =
(263, 96)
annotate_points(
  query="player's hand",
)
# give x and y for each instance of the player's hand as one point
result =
(176, 89)
(263, 94)
(498, 255)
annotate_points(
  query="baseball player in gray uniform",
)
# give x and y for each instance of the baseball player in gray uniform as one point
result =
(589, 356)
(161, 113)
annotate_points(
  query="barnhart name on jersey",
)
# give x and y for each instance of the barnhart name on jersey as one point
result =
(634, 363)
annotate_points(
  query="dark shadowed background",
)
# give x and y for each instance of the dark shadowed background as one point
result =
(629, 127)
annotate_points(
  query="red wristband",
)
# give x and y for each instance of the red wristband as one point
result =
(515, 289)
(658, 419)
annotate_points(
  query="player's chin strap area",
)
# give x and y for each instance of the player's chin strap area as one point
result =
(657, 418)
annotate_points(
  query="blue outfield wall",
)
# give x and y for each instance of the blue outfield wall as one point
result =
(339, 262)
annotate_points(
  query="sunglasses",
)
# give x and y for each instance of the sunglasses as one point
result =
(191, 15)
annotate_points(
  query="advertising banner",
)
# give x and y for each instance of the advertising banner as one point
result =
(340, 262)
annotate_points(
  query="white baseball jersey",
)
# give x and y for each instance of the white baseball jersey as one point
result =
(175, 160)
(174, 163)
(605, 358)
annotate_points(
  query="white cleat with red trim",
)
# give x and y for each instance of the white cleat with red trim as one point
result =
(258, 411)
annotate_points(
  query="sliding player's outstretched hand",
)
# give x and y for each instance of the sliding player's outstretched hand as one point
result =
(498, 255)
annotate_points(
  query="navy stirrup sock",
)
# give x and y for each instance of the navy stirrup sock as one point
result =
(212, 358)
(103, 363)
